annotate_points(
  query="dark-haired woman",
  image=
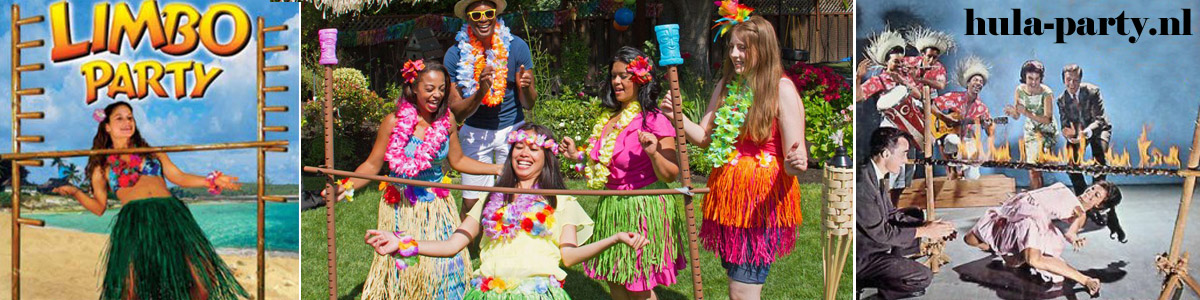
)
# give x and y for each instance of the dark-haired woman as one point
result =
(632, 147)
(412, 143)
(1036, 101)
(1021, 229)
(156, 249)
(526, 237)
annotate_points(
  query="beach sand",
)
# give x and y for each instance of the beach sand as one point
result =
(66, 264)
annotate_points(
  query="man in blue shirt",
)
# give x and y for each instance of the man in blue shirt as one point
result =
(484, 133)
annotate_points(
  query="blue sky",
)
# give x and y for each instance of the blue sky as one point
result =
(1150, 82)
(225, 114)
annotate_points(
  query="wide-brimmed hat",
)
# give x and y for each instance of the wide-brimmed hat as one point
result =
(460, 8)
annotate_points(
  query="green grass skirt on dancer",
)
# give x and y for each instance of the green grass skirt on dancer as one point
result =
(158, 243)
(660, 218)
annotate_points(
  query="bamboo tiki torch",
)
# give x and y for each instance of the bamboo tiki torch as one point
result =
(328, 40)
(839, 217)
(668, 48)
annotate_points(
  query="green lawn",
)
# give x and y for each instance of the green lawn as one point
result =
(797, 276)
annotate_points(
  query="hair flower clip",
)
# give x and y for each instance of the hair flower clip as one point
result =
(640, 67)
(731, 13)
(411, 68)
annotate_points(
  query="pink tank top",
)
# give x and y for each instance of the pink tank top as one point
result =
(746, 147)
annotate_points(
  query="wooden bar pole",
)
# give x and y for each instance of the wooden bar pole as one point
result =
(1189, 185)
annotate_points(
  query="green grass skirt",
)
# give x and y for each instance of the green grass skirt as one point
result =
(553, 293)
(157, 251)
(660, 218)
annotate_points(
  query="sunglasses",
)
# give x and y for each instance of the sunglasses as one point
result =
(482, 15)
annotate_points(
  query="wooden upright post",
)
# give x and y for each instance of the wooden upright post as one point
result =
(668, 43)
(1176, 262)
(328, 39)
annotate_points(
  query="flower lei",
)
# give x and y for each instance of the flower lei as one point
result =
(640, 68)
(540, 140)
(435, 137)
(472, 61)
(127, 173)
(535, 285)
(728, 124)
(597, 168)
(530, 213)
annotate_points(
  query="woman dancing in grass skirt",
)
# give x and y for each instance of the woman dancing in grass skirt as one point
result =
(413, 143)
(632, 147)
(525, 237)
(155, 250)
(750, 217)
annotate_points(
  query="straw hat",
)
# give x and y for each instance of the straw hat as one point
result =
(971, 66)
(883, 43)
(923, 38)
(460, 8)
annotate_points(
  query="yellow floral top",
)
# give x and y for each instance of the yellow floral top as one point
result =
(506, 263)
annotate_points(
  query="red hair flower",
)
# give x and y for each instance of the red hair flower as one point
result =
(640, 68)
(411, 68)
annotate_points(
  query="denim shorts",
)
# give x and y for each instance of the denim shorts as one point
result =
(748, 273)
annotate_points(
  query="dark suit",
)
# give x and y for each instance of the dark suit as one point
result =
(881, 231)
(1080, 112)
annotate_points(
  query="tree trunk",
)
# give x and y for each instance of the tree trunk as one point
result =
(694, 19)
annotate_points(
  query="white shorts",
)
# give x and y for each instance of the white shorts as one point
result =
(485, 145)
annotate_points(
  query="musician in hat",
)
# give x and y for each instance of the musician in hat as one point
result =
(957, 114)
(887, 72)
(927, 70)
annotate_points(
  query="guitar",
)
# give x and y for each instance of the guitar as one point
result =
(941, 128)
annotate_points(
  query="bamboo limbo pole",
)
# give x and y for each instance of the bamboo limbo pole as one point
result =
(17, 115)
(1177, 273)
(929, 247)
(263, 109)
(505, 190)
(328, 41)
(668, 45)
(179, 148)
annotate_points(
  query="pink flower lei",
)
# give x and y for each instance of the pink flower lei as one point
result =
(435, 137)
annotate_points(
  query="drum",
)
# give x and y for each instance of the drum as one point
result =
(898, 108)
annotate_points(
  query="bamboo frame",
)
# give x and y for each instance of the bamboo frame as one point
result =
(506, 190)
(18, 91)
(1177, 276)
(33, 158)
(263, 109)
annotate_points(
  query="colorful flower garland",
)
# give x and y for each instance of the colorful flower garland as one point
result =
(435, 137)
(534, 285)
(472, 61)
(597, 168)
(529, 213)
(728, 123)
(540, 140)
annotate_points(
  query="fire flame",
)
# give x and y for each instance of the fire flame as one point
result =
(1148, 156)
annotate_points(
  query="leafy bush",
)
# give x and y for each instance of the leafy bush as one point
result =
(568, 116)
(357, 113)
(827, 102)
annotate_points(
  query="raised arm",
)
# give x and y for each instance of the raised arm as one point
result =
(375, 161)
(573, 254)
(182, 179)
(698, 134)
(386, 243)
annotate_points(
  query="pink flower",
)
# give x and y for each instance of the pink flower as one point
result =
(411, 68)
(686, 55)
(640, 68)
